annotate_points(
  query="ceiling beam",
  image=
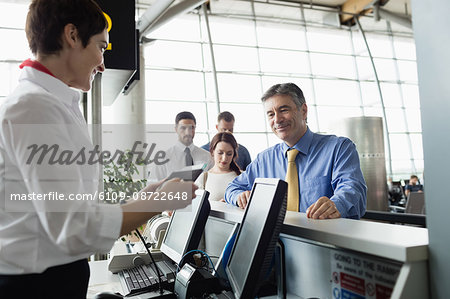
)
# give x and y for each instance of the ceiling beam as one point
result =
(170, 13)
(355, 7)
(151, 15)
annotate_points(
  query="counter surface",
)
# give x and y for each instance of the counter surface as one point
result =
(397, 242)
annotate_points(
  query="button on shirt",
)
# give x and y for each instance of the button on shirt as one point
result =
(328, 166)
(177, 160)
(44, 110)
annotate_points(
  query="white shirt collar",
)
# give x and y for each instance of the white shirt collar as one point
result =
(181, 146)
(53, 85)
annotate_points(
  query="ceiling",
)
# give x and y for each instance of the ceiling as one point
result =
(402, 7)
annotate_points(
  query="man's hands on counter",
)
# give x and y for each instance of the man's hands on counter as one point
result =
(242, 199)
(323, 208)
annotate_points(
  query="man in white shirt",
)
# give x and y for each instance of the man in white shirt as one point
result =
(183, 153)
(47, 230)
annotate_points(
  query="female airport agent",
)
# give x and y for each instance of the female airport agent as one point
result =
(44, 243)
(223, 151)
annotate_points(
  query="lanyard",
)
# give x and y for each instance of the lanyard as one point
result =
(37, 65)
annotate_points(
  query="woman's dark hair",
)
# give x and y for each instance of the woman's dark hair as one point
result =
(46, 20)
(228, 138)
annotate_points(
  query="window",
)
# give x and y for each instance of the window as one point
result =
(257, 45)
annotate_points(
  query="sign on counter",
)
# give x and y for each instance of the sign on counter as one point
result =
(358, 277)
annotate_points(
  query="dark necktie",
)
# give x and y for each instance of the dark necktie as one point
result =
(189, 160)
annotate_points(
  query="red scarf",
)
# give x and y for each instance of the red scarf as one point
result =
(37, 65)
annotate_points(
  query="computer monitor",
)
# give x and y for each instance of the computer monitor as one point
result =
(257, 236)
(186, 227)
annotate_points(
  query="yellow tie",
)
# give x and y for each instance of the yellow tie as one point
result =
(292, 180)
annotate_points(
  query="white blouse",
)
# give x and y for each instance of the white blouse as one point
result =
(36, 234)
(216, 183)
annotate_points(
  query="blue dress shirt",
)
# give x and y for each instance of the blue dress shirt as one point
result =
(414, 188)
(327, 166)
(243, 156)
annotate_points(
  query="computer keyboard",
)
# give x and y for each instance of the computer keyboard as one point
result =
(143, 278)
(139, 279)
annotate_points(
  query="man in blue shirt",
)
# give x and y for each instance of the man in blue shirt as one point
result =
(330, 181)
(225, 123)
(413, 185)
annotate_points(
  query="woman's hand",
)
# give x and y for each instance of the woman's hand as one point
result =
(152, 187)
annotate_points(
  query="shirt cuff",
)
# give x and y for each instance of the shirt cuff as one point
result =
(340, 207)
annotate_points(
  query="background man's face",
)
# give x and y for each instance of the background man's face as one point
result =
(225, 126)
(413, 181)
(186, 131)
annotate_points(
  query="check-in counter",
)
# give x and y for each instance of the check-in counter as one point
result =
(340, 258)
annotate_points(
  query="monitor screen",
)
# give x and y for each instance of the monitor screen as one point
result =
(257, 236)
(186, 227)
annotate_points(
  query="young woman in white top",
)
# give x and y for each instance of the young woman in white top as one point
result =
(223, 150)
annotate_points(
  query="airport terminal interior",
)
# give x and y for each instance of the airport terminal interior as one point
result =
(366, 69)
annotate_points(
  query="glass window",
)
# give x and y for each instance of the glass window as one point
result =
(273, 139)
(330, 117)
(329, 40)
(20, 51)
(232, 58)
(370, 111)
(210, 87)
(249, 117)
(337, 93)
(234, 32)
(411, 95)
(174, 85)
(280, 61)
(419, 168)
(386, 69)
(253, 55)
(183, 27)
(417, 146)
(400, 147)
(13, 15)
(413, 118)
(407, 70)
(405, 48)
(281, 36)
(236, 88)
(380, 45)
(371, 95)
(358, 42)
(402, 168)
(255, 143)
(365, 68)
(391, 95)
(200, 139)
(312, 120)
(395, 119)
(163, 112)
(174, 54)
(337, 66)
